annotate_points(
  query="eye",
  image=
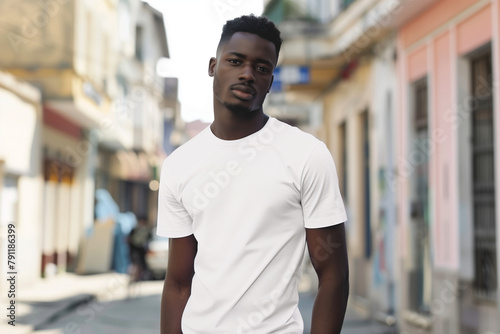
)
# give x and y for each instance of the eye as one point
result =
(234, 61)
(263, 69)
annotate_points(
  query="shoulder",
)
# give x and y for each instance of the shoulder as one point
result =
(291, 131)
(185, 153)
(293, 139)
(185, 158)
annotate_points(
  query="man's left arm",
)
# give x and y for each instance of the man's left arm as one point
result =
(328, 252)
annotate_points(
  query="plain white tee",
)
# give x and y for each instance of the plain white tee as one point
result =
(248, 202)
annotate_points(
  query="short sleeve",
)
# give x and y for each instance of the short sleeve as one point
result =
(322, 203)
(173, 219)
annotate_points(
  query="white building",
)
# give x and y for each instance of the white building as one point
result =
(100, 115)
(21, 181)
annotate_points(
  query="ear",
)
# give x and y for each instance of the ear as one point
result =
(211, 66)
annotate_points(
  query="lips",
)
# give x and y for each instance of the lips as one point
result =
(243, 92)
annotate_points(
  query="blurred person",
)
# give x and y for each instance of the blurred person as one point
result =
(241, 200)
(138, 241)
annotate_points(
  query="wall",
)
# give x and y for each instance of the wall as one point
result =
(34, 28)
(383, 80)
(346, 103)
(20, 174)
(438, 43)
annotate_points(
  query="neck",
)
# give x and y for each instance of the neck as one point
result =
(229, 126)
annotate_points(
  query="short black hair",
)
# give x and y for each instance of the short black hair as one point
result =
(258, 25)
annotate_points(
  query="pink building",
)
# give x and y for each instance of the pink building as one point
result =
(448, 168)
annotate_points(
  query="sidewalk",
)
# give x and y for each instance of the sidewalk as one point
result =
(47, 300)
(355, 322)
(43, 301)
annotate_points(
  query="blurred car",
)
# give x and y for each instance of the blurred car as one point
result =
(157, 256)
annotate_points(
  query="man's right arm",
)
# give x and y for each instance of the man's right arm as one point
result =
(177, 286)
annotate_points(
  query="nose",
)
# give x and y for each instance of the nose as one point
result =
(247, 73)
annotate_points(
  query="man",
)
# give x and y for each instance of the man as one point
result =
(138, 241)
(239, 202)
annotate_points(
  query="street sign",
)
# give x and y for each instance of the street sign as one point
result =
(290, 75)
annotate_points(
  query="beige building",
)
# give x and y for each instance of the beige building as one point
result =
(129, 168)
(21, 181)
(347, 100)
(348, 52)
(103, 109)
(68, 50)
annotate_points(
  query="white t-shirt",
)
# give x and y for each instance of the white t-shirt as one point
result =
(248, 202)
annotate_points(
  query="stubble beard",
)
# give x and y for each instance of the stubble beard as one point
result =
(241, 111)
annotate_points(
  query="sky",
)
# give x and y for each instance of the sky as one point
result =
(193, 31)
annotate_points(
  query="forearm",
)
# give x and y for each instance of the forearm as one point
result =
(173, 302)
(330, 307)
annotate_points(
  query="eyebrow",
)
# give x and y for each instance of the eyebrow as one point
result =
(260, 60)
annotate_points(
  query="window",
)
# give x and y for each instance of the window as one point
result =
(421, 109)
(138, 43)
(365, 142)
(483, 182)
(343, 139)
(420, 272)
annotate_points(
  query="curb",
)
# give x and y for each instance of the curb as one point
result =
(50, 311)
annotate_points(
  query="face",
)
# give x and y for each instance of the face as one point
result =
(242, 73)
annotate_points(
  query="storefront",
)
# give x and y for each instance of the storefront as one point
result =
(68, 191)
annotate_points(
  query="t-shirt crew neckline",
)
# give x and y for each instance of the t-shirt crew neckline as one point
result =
(235, 142)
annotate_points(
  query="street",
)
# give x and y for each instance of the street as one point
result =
(139, 314)
(134, 310)
(353, 323)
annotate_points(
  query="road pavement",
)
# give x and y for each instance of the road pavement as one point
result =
(121, 314)
(354, 322)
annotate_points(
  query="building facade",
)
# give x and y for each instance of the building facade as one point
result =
(408, 98)
(101, 115)
(447, 179)
(65, 48)
(21, 180)
(349, 98)
(126, 168)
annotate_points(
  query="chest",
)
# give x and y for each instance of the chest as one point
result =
(233, 180)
